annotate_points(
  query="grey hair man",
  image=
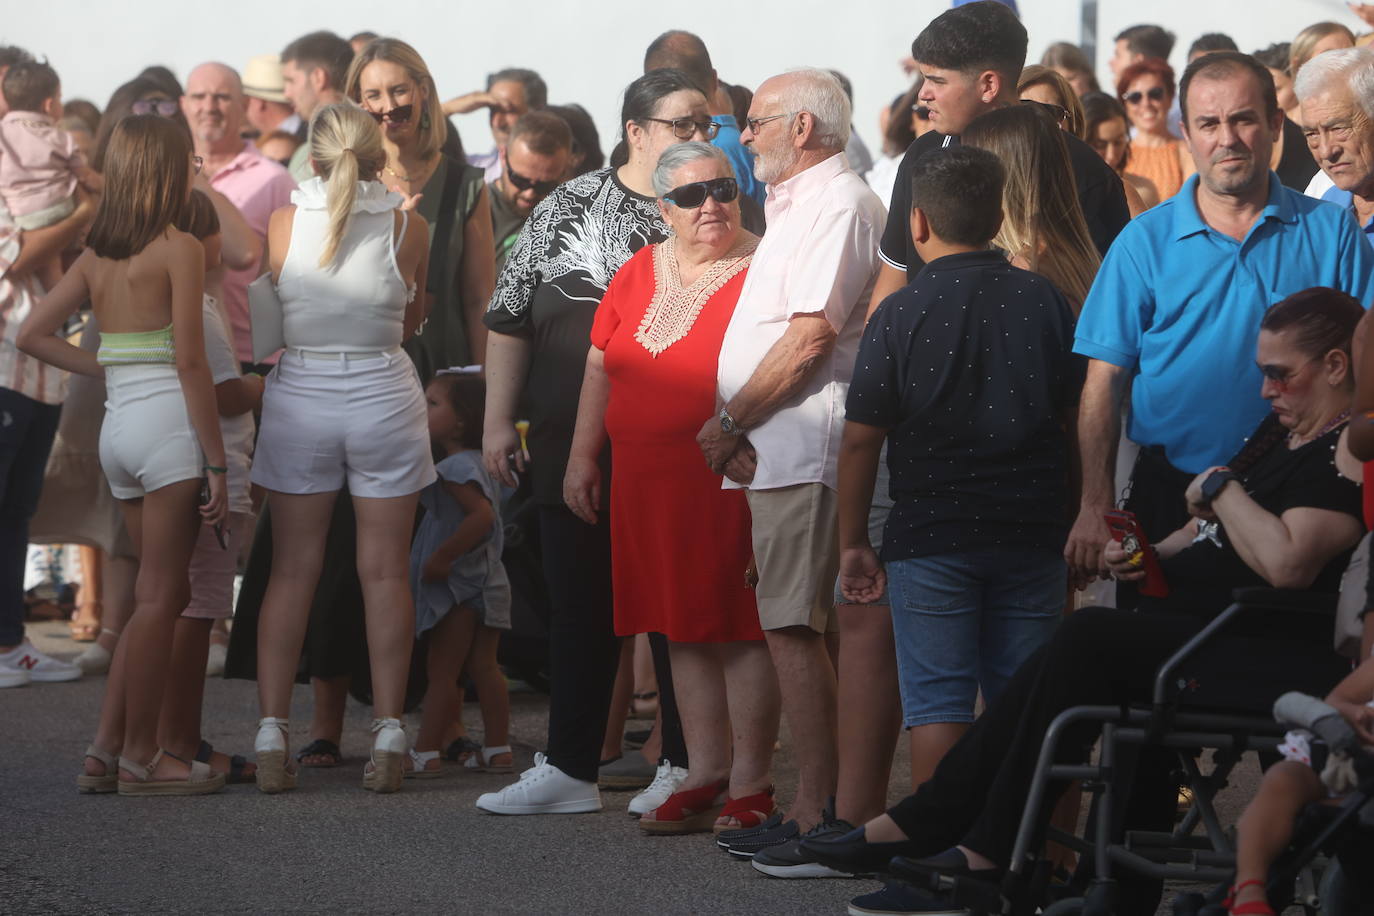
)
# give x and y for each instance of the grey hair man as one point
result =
(1336, 92)
(510, 93)
(784, 371)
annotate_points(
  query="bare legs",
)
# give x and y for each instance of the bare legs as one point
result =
(449, 644)
(621, 695)
(869, 695)
(802, 662)
(1267, 824)
(330, 696)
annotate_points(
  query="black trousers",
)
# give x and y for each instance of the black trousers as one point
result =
(584, 651)
(1099, 656)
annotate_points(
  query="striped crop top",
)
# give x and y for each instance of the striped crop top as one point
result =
(136, 348)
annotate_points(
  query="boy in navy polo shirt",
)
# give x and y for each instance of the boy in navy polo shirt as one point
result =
(970, 376)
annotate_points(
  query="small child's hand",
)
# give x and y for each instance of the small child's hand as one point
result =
(436, 568)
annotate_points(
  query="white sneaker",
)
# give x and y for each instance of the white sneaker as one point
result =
(666, 782)
(543, 789)
(41, 668)
(13, 677)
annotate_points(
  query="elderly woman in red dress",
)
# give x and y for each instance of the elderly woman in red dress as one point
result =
(680, 545)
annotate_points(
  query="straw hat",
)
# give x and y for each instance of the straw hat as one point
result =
(262, 78)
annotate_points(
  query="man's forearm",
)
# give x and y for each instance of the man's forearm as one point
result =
(1099, 431)
(783, 371)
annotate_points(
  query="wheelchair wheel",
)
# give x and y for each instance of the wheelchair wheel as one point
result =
(1070, 906)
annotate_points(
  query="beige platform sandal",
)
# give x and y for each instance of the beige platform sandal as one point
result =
(385, 770)
(104, 784)
(275, 772)
(202, 780)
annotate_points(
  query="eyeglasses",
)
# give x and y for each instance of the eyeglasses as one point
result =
(691, 196)
(1059, 112)
(756, 123)
(1155, 94)
(542, 188)
(398, 115)
(197, 164)
(687, 128)
(163, 108)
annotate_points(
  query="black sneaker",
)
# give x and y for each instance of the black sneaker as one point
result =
(851, 852)
(951, 863)
(789, 860)
(899, 900)
(746, 847)
(726, 838)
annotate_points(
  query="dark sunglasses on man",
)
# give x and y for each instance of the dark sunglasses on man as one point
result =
(398, 115)
(686, 128)
(521, 183)
(1154, 94)
(691, 196)
(163, 108)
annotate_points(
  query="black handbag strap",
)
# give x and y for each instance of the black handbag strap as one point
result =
(443, 230)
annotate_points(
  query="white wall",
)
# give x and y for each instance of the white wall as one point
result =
(588, 50)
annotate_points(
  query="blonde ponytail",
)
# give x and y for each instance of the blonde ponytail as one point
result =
(347, 148)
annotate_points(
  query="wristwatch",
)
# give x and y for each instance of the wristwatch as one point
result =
(728, 424)
(1214, 482)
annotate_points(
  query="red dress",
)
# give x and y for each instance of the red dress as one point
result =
(680, 544)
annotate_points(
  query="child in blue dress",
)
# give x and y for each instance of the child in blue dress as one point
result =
(462, 595)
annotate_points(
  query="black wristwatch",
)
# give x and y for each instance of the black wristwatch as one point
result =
(728, 424)
(1214, 482)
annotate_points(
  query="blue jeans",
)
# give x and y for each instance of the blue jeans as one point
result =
(27, 430)
(965, 620)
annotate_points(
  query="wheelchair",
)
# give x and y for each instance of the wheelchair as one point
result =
(1204, 697)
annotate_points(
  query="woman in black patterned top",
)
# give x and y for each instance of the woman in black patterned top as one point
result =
(540, 320)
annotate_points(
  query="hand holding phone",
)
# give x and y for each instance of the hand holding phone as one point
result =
(1127, 532)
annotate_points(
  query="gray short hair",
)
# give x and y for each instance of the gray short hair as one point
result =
(820, 94)
(680, 154)
(1354, 66)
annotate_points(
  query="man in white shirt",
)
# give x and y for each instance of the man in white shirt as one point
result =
(784, 371)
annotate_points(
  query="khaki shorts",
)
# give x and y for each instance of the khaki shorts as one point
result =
(796, 548)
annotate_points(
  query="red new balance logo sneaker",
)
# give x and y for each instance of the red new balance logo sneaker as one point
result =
(28, 662)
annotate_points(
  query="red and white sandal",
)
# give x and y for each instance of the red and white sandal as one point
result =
(692, 811)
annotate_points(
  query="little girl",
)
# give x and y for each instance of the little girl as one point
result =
(1266, 827)
(160, 442)
(462, 595)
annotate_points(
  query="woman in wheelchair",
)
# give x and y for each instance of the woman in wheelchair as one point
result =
(1266, 827)
(1285, 513)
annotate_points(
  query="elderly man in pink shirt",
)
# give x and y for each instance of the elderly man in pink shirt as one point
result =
(784, 371)
(215, 108)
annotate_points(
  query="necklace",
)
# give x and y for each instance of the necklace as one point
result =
(1337, 421)
(395, 174)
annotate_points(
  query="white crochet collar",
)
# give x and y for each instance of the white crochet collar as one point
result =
(372, 197)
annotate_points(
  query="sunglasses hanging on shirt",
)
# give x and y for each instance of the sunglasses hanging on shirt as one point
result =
(691, 196)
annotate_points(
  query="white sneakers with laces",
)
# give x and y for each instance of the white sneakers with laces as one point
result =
(666, 782)
(543, 789)
(24, 664)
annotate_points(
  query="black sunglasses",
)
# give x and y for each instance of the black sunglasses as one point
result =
(163, 108)
(1156, 94)
(398, 115)
(1058, 112)
(542, 188)
(691, 196)
(686, 128)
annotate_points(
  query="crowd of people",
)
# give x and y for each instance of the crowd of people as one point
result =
(831, 439)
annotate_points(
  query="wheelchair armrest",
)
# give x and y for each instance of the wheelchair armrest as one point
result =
(1243, 600)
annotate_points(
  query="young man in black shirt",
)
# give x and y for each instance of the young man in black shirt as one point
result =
(970, 376)
(971, 57)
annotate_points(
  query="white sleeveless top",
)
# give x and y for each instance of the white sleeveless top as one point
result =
(357, 303)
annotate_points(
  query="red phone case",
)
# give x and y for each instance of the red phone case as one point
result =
(1126, 531)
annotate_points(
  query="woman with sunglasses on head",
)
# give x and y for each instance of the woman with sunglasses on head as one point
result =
(651, 374)
(540, 318)
(390, 81)
(1146, 89)
(1047, 87)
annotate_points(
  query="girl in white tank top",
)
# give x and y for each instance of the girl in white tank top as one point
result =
(343, 404)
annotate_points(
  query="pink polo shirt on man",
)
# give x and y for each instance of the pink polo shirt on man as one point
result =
(819, 256)
(257, 186)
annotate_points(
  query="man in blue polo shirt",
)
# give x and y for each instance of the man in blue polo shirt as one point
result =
(1340, 131)
(1175, 311)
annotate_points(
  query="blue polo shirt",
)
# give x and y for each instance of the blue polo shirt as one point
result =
(1347, 200)
(740, 156)
(1180, 304)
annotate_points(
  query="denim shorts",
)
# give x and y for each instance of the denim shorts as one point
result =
(968, 620)
(877, 518)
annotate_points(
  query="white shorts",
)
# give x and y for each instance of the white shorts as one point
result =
(330, 419)
(147, 440)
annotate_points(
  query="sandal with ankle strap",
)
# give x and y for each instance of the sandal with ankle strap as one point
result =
(1250, 908)
(416, 765)
(385, 770)
(238, 764)
(692, 811)
(274, 774)
(749, 810)
(104, 784)
(201, 781)
(480, 760)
